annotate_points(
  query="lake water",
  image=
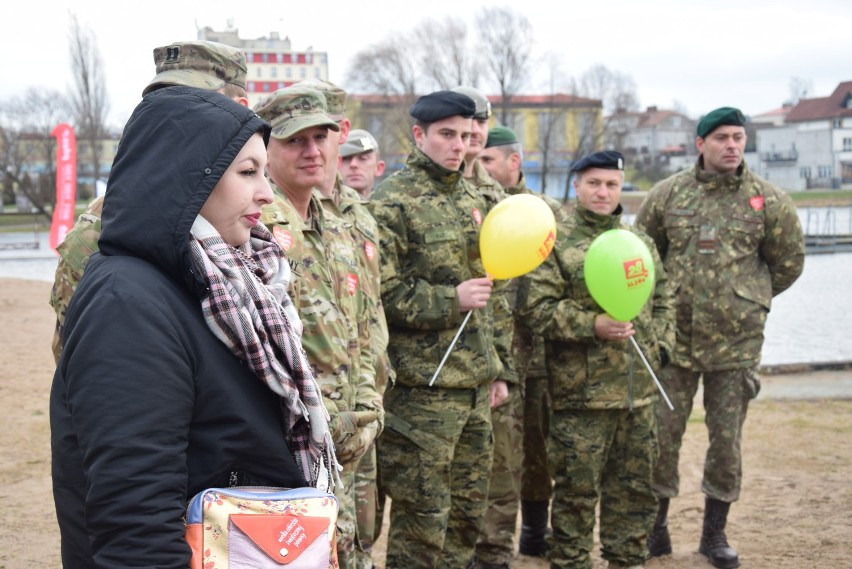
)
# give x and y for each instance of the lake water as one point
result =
(810, 322)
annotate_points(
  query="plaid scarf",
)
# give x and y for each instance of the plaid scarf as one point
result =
(249, 310)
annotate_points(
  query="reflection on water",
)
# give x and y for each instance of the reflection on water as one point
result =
(810, 322)
(30, 269)
(826, 220)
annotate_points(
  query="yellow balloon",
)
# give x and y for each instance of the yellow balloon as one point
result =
(517, 236)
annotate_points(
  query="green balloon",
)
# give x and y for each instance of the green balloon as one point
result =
(619, 273)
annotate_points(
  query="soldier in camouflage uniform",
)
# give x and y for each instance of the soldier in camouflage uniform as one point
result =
(342, 201)
(496, 543)
(730, 241)
(435, 454)
(503, 158)
(201, 64)
(361, 162)
(602, 441)
(329, 285)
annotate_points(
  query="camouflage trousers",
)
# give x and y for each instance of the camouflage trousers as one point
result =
(496, 543)
(368, 509)
(537, 480)
(726, 398)
(346, 525)
(604, 455)
(435, 458)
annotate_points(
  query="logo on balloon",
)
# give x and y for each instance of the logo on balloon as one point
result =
(619, 273)
(547, 246)
(517, 236)
(635, 272)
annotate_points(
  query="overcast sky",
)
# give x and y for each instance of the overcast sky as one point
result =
(697, 54)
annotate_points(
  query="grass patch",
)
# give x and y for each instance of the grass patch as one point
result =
(845, 195)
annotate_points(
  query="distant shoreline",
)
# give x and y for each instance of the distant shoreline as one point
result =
(632, 200)
(781, 369)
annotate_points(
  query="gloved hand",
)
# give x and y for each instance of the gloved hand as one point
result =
(357, 445)
(346, 423)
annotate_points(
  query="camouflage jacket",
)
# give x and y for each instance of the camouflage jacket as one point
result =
(528, 348)
(586, 372)
(74, 253)
(327, 293)
(348, 204)
(502, 302)
(429, 220)
(729, 244)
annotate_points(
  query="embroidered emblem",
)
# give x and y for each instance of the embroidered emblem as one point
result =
(284, 237)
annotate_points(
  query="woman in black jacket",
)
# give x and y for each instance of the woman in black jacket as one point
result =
(182, 367)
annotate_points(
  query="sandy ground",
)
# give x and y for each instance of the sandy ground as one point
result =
(795, 511)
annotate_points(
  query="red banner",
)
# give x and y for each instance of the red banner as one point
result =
(66, 183)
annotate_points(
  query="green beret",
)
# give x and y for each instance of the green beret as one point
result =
(606, 159)
(721, 116)
(442, 104)
(500, 136)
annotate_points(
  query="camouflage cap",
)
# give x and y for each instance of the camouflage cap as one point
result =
(359, 142)
(483, 105)
(201, 64)
(293, 109)
(335, 97)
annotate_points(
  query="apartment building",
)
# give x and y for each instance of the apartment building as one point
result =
(812, 148)
(271, 62)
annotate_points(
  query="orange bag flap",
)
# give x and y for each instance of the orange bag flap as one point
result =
(282, 537)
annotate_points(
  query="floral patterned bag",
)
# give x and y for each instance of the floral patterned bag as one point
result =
(262, 528)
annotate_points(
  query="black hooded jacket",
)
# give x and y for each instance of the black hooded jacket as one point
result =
(147, 406)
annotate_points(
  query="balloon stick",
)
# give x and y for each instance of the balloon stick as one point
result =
(450, 349)
(647, 365)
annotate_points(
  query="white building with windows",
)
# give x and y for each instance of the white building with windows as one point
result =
(271, 62)
(813, 147)
(654, 135)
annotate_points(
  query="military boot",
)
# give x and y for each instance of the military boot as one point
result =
(660, 542)
(533, 540)
(714, 543)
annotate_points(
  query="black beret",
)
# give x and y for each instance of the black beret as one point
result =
(721, 116)
(442, 104)
(606, 159)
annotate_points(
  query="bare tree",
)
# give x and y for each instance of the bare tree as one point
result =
(386, 68)
(444, 56)
(88, 98)
(506, 43)
(551, 121)
(680, 107)
(799, 89)
(28, 153)
(616, 91)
